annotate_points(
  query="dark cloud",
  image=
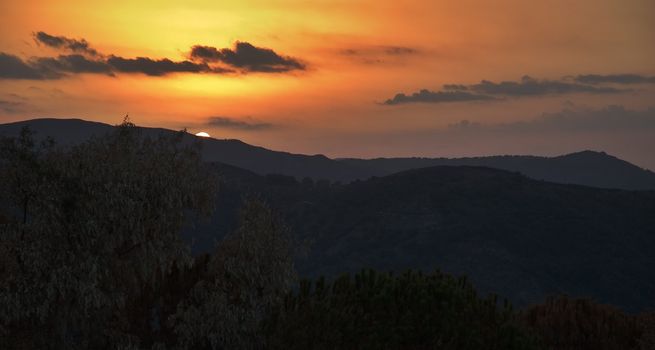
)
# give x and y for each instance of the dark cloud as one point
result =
(531, 87)
(455, 87)
(206, 53)
(231, 123)
(70, 64)
(40, 68)
(488, 90)
(428, 96)
(12, 67)
(615, 78)
(205, 59)
(64, 43)
(247, 57)
(155, 67)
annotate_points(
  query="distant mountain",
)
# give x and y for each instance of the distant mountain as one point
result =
(584, 168)
(588, 168)
(515, 236)
(233, 152)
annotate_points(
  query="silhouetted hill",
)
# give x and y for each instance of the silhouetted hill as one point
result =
(588, 168)
(584, 168)
(232, 152)
(518, 237)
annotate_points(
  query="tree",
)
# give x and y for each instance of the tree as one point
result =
(88, 227)
(248, 275)
(567, 323)
(382, 311)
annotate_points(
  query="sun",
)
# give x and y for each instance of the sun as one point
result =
(203, 134)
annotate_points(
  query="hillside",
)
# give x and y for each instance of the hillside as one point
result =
(512, 235)
(228, 151)
(588, 168)
(583, 168)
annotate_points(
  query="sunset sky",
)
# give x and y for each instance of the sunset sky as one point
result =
(346, 78)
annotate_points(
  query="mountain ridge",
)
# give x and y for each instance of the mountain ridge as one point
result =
(590, 168)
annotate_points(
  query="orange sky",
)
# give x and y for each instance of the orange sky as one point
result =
(355, 55)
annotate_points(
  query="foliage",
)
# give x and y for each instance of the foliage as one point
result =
(565, 323)
(248, 275)
(520, 238)
(382, 311)
(92, 225)
(91, 255)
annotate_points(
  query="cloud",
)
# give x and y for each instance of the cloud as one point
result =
(70, 64)
(488, 90)
(12, 67)
(399, 50)
(379, 50)
(247, 57)
(244, 58)
(40, 68)
(155, 67)
(231, 123)
(64, 43)
(528, 86)
(378, 54)
(455, 87)
(436, 97)
(615, 78)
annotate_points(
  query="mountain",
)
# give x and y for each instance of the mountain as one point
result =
(588, 168)
(583, 168)
(512, 235)
(233, 152)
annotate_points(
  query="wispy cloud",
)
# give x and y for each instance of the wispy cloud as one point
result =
(13, 67)
(11, 106)
(62, 42)
(427, 96)
(247, 124)
(529, 86)
(375, 54)
(615, 78)
(488, 90)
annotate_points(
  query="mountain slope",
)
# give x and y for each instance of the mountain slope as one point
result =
(584, 168)
(588, 168)
(512, 235)
(232, 152)
(518, 237)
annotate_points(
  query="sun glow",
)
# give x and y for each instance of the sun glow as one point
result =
(202, 134)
